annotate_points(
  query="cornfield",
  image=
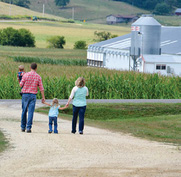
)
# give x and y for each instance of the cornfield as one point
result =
(126, 85)
(68, 62)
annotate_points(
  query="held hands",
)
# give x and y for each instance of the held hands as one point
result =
(43, 100)
(67, 105)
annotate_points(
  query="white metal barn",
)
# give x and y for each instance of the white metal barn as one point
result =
(162, 64)
(149, 48)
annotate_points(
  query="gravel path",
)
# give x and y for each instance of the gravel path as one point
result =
(97, 153)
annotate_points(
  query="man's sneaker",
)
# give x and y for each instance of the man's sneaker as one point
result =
(23, 130)
(28, 131)
(49, 131)
(81, 132)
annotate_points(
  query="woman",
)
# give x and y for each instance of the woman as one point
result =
(79, 93)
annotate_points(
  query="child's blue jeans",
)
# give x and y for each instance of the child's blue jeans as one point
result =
(53, 120)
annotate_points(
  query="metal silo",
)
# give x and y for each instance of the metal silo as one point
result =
(145, 36)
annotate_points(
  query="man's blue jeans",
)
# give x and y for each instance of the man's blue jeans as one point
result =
(51, 121)
(28, 103)
(81, 112)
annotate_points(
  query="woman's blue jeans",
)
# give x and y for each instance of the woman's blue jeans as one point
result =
(28, 103)
(81, 112)
(51, 121)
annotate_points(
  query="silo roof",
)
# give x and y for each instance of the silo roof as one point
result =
(146, 21)
(170, 41)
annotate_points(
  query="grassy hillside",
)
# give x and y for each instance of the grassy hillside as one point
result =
(12, 10)
(90, 10)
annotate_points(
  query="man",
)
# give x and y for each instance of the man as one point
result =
(30, 83)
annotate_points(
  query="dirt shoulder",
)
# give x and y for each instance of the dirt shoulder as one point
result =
(96, 153)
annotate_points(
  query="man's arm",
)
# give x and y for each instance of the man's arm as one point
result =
(43, 96)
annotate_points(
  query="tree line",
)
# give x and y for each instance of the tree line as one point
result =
(160, 7)
(26, 3)
(21, 3)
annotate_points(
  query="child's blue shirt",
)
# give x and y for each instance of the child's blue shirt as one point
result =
(53, 112)
(20, 75)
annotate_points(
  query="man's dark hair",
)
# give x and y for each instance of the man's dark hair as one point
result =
(33, 66)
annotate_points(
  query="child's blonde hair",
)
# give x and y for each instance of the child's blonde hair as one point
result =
(55, 102)
(80, 82)
(21, 67)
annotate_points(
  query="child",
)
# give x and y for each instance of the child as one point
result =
(53, 114)
(20, 74)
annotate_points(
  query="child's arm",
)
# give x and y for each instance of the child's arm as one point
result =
(62, 108)
(46, 103)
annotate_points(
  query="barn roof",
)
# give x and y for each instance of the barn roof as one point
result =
(162, 59)
(170, 41)
(178, 10)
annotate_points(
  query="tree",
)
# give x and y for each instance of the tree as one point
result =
(13, 37)
(102, 36)
(150, 5)
(62, 3)
(22, 3)
(171, 4)
(161, 9)
(56, 42)
(178, 3)
(26, 38)
(9, 36)
(80, 45)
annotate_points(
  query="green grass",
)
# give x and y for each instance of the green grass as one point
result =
(3, 142)
(158, 122)
(72, 32)
(169, 20)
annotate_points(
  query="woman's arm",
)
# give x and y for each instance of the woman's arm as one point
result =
(69, 100)
(72, 95)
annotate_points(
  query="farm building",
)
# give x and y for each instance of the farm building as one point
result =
(178, 12)
(113, 19)
(149, 48)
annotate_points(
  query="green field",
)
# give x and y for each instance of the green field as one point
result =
(102, 83)
(158, 122)
(72, 32)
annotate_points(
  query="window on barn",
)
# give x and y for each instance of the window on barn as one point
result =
(160, 67)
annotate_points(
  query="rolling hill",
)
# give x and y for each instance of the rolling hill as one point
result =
(89, 10)
(13, 10)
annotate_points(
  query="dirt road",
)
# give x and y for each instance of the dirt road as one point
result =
(97, 153)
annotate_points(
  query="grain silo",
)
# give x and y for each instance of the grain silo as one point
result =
(145, 38)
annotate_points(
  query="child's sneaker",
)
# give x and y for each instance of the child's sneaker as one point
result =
(56, 131)
(49, 131)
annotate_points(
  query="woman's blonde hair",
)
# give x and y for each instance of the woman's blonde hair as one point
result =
(80, 82)
(55, 102)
